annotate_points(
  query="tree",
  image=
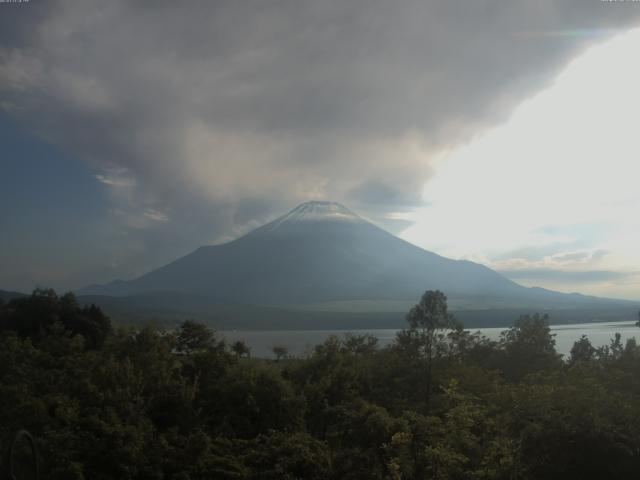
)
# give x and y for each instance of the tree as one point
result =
(288, 456)
(240, 348)
(614, 350)
(280, 352)
(193, 336)
(43, 313)
(427, 320)
(528, 346)
(582, 350)
(360, 344)
(88, 321)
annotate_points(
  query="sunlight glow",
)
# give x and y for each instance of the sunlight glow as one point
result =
(560, 177)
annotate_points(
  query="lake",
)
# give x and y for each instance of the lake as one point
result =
(301, 342)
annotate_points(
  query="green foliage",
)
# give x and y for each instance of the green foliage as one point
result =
(130, 403)
(430, 314)
(582, 351)
(428, 320)
(240, 348)
(280, 352)
(360, 344)
(43, 312)
(528, 347)
(192, 337)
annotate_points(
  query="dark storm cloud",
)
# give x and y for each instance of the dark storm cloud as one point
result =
(223, 113)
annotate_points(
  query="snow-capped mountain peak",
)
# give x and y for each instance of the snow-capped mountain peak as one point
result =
(316, 210)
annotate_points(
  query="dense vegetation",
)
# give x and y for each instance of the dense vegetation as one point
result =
(440, 403)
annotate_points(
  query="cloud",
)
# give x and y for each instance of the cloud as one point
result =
(555, 187)
(236, 100)
(604, 283)
(226, 113)
(581, 256)
(156, 215)
(588, 276)
(116, 177)
(527, 258)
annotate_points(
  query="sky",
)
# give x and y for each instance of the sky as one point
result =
(501, 132)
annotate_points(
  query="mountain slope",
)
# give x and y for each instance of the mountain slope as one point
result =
(7, 295)
(319, 251)
(322, 252)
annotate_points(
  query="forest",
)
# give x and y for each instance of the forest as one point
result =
(107, 401)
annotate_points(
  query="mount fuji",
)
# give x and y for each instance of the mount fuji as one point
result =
(322, 253)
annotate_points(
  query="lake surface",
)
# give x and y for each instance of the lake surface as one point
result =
(301, 342)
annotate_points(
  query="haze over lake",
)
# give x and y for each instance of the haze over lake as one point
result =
(301, 342)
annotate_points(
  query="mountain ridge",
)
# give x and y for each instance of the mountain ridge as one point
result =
(321, 251)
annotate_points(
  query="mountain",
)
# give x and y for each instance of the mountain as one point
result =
(7, 295)
(323, 253)
(318, 252)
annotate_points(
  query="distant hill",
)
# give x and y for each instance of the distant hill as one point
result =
(322, 254)
(169, 309)
(6, 295)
